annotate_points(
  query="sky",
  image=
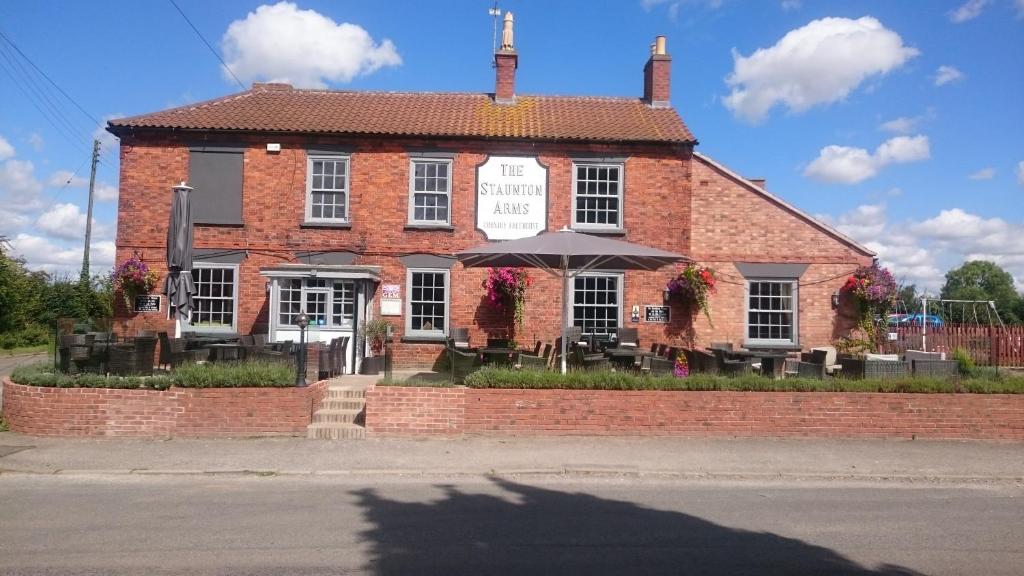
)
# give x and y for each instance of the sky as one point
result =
(896, 122)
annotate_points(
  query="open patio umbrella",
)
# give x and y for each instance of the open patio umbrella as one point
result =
(179, 287)
(567, 254)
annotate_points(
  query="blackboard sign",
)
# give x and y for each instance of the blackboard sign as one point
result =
(147, 303)
(658, 314)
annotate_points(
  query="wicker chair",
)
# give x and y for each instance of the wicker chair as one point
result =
(122, 359)
(627, 336)
(737, 367)
(706, 363)
(851, 368)
(936, 368)
(810, 370)
(75, 350)
(325, 357)
(655, 366)
(886, 369)
(591, 362)
(145, 350)
(460, 336)
(462, 363)
(179, 354)
(662, 350)
(535, 363)
(339, 362)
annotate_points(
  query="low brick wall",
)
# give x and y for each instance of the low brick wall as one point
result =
(177, 412)
(401, 411)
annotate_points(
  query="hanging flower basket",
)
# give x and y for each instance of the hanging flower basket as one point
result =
(874, 289)
(692, 286)
(506, 291)
(133, 277)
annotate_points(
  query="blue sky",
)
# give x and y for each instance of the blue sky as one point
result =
(897, 122)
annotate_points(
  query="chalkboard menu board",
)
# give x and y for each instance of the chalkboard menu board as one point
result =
(147, 303)
(657, 314)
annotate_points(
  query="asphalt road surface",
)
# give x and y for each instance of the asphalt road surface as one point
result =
(385, 524)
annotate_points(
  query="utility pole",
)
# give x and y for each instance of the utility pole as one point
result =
(84, 278)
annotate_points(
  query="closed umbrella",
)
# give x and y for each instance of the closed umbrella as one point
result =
(179, 288)
(567, 254)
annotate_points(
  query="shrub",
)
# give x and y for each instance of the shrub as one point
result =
(255, 374)
(502, 378)
(30, 335)
(964, 360)
(43, 374)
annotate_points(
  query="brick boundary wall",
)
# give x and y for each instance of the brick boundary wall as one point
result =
(177, 412)
(411, 411)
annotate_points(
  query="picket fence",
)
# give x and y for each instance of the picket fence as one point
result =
(988, 345)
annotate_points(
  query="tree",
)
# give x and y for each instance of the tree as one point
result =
(982, 280)
(907, 299)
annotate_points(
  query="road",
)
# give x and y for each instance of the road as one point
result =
(394, 524)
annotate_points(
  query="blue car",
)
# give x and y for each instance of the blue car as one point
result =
(914, 320)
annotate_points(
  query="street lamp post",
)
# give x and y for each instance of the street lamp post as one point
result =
(302, 322)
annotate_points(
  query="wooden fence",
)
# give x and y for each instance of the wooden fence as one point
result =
(988, 345)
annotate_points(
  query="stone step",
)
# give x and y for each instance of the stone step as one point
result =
(337, 393)
(340, 416)
(334, 431)
(343, 404)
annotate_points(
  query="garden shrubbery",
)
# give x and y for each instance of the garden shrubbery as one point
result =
(29, 335)
(990, 383)
(226, 375)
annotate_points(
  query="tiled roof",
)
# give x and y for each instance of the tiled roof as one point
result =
(280, 108)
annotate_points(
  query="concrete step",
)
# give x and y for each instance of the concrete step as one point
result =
(343, 404)
(339, 392)
(334, 431)
(338, 416)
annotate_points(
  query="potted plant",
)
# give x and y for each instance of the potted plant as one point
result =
(506, 292)
(375, 332)
(874, 290)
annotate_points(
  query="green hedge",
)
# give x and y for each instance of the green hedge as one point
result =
(30, 335)
(502, 378)
(227, 375)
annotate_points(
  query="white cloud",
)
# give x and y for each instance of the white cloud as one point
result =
(68, 221)
(788, 5)
(968, 11)
(36, 142)
(106, 192)
(1020, 167)
(984, 174)
(946, 74)
(19, 189)
(849, 165)
(11, 221)
(62, 178)
(820, 63)
(901, 125)
(282, 43)
(59, 257)
(919, 252)
(6, 150)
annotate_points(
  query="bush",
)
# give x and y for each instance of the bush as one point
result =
(30, 335)
(43, 374)
(233, 375)
(255, 374)
(964, 360)
(502, 378)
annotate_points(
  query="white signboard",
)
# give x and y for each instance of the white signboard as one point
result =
(511, 197)
(390, 302)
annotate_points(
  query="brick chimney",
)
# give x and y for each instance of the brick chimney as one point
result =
(657, 73)
(759, 182)
(506, 60)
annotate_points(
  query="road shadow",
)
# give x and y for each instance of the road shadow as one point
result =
(531, 530)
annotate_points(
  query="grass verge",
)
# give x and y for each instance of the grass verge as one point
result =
(226, 375)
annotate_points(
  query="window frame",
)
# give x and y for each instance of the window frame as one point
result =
(328, 303)
(621, 167)
(312, 157)
(620, 289)
(428, 334)
(234, 298)
(412, 221)
(794, 341)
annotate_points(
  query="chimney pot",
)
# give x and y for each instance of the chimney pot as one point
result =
(506, 60)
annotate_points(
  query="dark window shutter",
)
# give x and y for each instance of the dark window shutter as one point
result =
(216, 176)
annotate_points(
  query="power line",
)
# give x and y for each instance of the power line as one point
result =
(55, 85)
(212, 51)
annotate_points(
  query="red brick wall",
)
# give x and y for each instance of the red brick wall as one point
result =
(720, 223)
(397, 411)
(178, 412)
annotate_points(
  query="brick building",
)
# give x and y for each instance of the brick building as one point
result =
(350, 205)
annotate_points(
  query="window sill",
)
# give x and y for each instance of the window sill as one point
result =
(439, 339)
(601, 231)
(429, 227)
(338, 225)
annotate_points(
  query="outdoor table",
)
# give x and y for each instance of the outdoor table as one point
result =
(222, 352)
(203, 342)
(626, 357)
(772, 363)
(497, 355)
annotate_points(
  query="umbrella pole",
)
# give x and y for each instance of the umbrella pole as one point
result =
(565, 316)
